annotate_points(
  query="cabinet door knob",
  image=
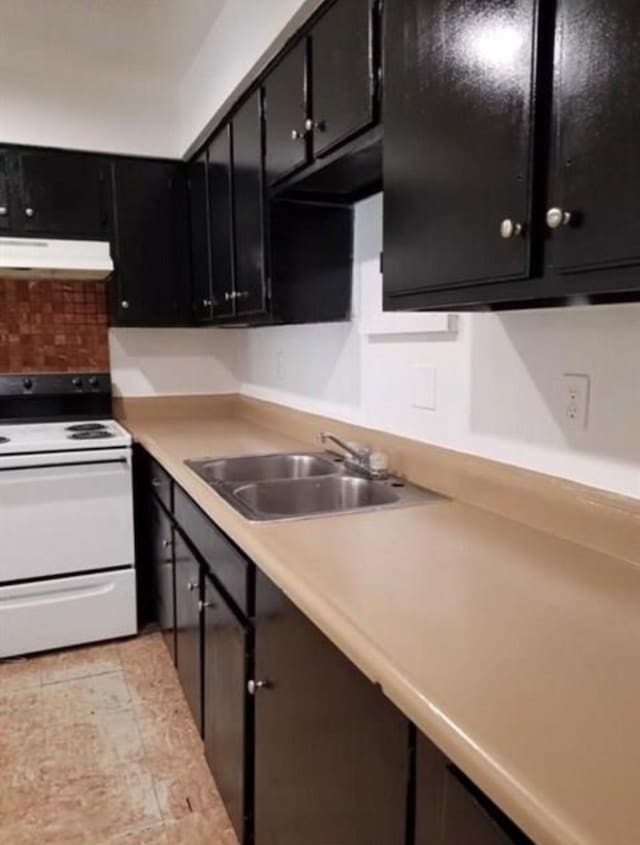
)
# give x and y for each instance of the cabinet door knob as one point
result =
(124, 304)
(242, 294)
(510, 229)
(206, 303)
(29, 212)
(166, 544)
(3, 210)
(205, 605)
(254, 686)
(320, 125)
(296, 135)
(227, 296)
(192, 585)
(556, 218)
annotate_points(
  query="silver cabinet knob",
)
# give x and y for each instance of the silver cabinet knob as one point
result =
(3, 210)
(206, 303)
(556, 218)
(124, 304)
(155, 482)
(308, 124)
(192, 585)
(205, 605)
(254, 686)
(510, 229)
(296, 135)
(241, 294)
(29, 212)
(320, 125)
(166, 544)
(227, 296)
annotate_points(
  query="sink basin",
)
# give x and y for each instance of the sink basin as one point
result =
(298, 485)
(263, 467)
(332, 494)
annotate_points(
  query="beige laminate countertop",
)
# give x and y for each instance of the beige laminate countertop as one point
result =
(517, 653)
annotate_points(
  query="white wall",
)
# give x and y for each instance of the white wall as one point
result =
(240, 35)
(66, 107)
(151, 362)
(499, 381)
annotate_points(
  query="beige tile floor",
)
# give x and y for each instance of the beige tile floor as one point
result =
(98, 747)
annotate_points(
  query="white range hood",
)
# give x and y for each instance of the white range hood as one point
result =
(32, 258)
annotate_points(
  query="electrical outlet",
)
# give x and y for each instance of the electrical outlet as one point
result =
(424, 387)
(576, 394)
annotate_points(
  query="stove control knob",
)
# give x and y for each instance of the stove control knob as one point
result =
(93, 382)
(77, 383)
(27, 383)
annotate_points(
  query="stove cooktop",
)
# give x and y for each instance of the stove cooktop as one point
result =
(30, 438)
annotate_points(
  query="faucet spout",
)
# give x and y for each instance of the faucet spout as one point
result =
(357, 454)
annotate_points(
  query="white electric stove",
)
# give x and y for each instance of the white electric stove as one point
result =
(67, 565)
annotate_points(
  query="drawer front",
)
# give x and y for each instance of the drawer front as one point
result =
(67, 611)
(161, 483)
(226, 564)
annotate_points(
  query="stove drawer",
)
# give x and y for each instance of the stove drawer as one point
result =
(61, 514)
(67, 611)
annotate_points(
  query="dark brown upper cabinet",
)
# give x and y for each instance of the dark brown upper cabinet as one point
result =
(201, 295)
(593, 199)
(459, 129)
(250, 288)
(220, 188)
(54, 194)
(287, 113)
(344, 49)
(5, 192)
(150, 243)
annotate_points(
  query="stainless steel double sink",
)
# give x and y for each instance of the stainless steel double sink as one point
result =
(297, 485)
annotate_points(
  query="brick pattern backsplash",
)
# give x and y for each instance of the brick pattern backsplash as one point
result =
(48, 325)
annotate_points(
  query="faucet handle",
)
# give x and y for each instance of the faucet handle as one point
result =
(379, 462)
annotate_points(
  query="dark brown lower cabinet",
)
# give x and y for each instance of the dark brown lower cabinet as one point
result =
(161, 536)
(225, 657)
(188, 639)
(450, 810)
(331, 752)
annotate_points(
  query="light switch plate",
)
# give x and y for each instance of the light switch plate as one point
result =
(424, 387)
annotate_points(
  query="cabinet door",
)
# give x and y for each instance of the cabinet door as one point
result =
(163, 572)
(343, 81)
(221, 223)
(201, 302)
(331, 752)
(458, 139)
(5, 192)
(596, 173)
(225, 692)
(188, 650)
(450, 810)
(62, 194)
(248, 207)
(287, 141)
(151, 257)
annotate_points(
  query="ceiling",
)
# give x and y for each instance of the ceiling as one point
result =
(153, 39)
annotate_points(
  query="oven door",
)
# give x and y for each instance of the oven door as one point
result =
(62, 513)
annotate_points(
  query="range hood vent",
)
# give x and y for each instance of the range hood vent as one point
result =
(35, 258)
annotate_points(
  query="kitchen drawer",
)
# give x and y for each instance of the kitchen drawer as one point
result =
(161, 483)
(61, 612)
(225, 563)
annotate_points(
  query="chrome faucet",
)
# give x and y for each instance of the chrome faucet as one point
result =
(363, 460)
